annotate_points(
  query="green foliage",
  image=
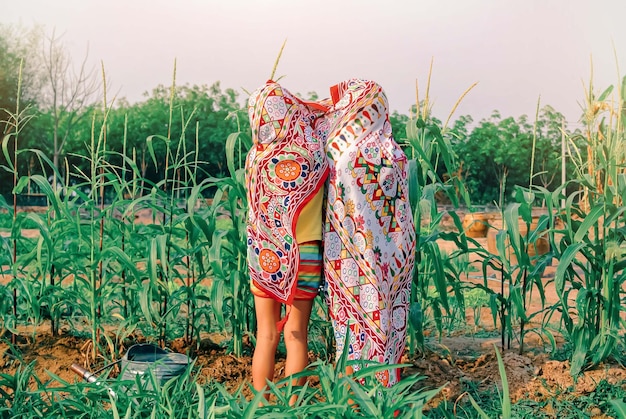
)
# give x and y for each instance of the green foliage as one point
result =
(495, 154)
(199, 115)
(588, 244)
(520, 268)
(230, 290)
(426, 146)
(337, 396)
(92, 261)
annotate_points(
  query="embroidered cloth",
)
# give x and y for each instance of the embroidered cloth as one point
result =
(369, 237)
(285, 168)
(369, 233)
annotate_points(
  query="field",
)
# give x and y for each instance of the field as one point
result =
(461, 362)
(523, 320)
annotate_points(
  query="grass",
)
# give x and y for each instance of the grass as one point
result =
(25, 395)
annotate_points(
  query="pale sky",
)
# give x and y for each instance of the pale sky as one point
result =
(517, 50)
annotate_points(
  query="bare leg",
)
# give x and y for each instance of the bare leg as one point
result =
(296, 338)
(267, 337)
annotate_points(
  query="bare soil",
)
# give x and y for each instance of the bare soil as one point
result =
(453, 362)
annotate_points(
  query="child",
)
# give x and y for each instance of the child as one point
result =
(285, 172)
(368, 232)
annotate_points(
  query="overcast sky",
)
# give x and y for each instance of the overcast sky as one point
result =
(517, 50)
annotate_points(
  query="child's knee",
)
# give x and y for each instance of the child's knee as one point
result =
(267, 337)
(295, 337)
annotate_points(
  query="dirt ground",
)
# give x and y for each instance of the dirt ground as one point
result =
(453, 361)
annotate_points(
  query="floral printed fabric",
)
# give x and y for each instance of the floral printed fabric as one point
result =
(285, 168)
(369, 234)
(369, 239)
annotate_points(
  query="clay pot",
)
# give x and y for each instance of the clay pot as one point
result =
(476, 224)
(540, 247)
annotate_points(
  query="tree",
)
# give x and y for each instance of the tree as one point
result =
(203, 114)
(69, 92)
(18, 67)
(17, 55)
(497, 154)
(398, 126)
(53, 91)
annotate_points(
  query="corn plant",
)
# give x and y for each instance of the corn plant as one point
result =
(230, 290)
(589, 246)
(341, 395)
(16, 121)
(426, 146)
(15, 391)
(91, 263)
(519, 268)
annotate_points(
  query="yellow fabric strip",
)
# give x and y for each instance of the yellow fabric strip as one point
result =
(309, 224)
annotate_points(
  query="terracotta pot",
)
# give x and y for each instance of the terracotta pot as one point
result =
(476, 224)
(540, 247)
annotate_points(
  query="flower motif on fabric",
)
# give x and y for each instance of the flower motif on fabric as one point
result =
(349, 207)
(360, 222)
(371, 151)
(269, 260)
(288, 170)
(272, 262)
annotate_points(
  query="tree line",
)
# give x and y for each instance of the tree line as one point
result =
(60, 105)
